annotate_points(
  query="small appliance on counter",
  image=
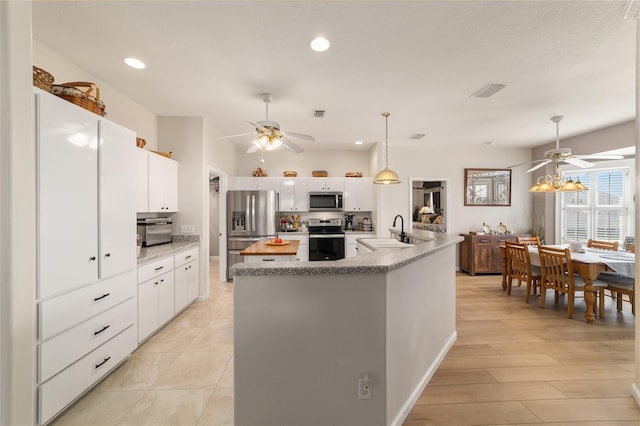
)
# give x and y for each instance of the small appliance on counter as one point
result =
(349, 222)
(156, 230)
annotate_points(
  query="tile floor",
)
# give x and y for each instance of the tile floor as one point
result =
(513, 364)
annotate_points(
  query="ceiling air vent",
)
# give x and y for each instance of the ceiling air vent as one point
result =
(318, 113)
(488, 90)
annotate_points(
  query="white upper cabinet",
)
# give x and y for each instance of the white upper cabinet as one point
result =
(326, 184)
(268, 183)
(117, 199)
(163, 184)
(357, 194)
(244, 183)
(294, 195)
(67, 179)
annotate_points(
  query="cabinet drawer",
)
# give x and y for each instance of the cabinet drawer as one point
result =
(153, 269)
(65, 311)
(186, 256)
(61, 390)
(64, 349)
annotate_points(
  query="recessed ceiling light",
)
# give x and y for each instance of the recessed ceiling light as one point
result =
(319, 44)
(135, 63)
(358, 142)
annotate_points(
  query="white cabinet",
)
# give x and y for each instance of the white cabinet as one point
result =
(243, 183)
(357, 194)
(294, 195)
(156, 296)
(268, 183)
(141, 180)
(326, 184)
(303, 249)
(86, 255)
(186, 278)
(163, 184)
(352, 247)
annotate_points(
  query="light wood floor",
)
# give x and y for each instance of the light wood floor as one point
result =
(517, 364)
(513, 364)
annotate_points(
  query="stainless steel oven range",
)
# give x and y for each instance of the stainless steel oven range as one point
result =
(326, 239)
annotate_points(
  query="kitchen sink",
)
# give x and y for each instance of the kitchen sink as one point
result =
(386, 243)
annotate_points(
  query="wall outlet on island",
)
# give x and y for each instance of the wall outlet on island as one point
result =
(187, 229)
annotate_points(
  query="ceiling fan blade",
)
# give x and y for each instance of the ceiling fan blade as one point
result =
(578, 162)
(259, 127)
(291, 146)
(534, 168)
(235, 136)
(252, 149)
(299, 136)
(600, 157)
(522, 164)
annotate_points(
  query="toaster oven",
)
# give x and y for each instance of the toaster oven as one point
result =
(155, 230)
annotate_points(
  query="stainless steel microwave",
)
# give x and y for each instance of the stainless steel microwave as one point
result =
(325, 201)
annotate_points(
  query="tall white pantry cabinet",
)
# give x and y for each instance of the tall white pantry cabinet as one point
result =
(86, 251)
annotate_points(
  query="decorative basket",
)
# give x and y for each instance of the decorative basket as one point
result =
(353, 174)
(319, 173)
(140, 143)
(85, 99)
(290, 173)
(164, 154)
(259, 173)
(42, 79)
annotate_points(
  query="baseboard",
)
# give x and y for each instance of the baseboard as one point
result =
(636, 393)
(422, 384)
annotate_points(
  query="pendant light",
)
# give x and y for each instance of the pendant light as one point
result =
(386, 176)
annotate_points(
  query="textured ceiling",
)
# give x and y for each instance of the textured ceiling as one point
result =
(419, 60)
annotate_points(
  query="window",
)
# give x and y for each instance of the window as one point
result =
(600, 213)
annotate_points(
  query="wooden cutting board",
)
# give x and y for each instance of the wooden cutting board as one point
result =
(261, 248)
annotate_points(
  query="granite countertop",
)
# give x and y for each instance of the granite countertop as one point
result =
(147, 254)
(381, 261)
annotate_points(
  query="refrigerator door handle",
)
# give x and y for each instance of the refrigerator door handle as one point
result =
(253, 213)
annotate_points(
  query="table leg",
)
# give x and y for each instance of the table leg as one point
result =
(503, 262)
(589, 298)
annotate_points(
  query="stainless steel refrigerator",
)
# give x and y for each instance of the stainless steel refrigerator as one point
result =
(251, 216)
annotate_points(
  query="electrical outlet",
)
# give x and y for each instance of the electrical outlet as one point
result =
(364, 386)
(187, 229)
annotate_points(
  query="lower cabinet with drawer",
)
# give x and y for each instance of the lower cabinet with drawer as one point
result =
(186, 278)
(83, 335)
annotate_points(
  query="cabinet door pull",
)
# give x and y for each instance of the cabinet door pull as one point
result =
(95, 299)
(186, 269)
(162, 280)
(107, 255)
(104, 361)
(159, 268)
(95, 333)
(188, 257)
(156, 283)
(92, 258)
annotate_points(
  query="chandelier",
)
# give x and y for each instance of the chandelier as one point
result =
(556, 183)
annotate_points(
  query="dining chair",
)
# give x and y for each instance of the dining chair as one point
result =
(557, 274)
(533, 239)
(620, 284)
(519, 268)
(603, 245)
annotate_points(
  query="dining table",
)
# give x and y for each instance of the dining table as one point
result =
(589, 263)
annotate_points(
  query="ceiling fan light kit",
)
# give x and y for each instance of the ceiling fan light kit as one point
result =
(386, 176)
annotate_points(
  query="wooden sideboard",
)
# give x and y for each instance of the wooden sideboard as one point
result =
(480, 254)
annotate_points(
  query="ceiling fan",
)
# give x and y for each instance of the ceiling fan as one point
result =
(269, 136)
(564, 155)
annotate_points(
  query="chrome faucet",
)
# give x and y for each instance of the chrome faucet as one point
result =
(403, 236)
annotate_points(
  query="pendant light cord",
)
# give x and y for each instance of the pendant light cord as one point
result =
(386, 138)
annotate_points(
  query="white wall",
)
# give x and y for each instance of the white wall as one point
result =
(18, 219)
(120, 109)
(444, 163)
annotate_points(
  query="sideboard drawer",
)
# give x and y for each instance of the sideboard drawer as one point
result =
(62, 389)
(63, 312)
(64, 349)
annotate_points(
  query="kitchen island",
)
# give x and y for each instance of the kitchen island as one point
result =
(353, 341)
(268, 251)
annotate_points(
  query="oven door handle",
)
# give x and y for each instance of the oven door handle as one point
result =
(326, 236)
